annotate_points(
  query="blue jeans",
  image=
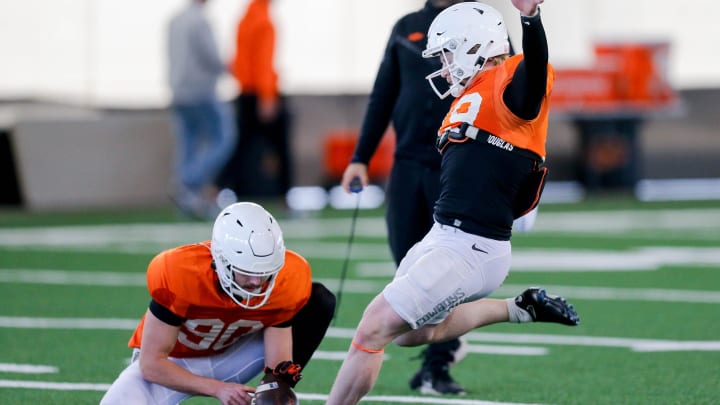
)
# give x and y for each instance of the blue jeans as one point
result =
(206, 138)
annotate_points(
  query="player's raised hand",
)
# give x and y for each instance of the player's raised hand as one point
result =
(527, 7)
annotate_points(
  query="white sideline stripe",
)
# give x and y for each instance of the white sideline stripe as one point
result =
(678, 189)
(68, 323)
(638, 345)
(27, 368)
(623, 221)
(66, 386)
(149, 238)
(433, 400)
(508, 350)
(677, 347)
(66, 277)
(118, 279)
(48, 385)
(539, 339)
(625, 294)
(649, 258)
(484, 349)
(372, 250)
(318, 250)
(545, 260)
(326, 355)
(347, 333)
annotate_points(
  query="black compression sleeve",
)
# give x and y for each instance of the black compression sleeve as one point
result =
(165, 314)
(381, 103)
(525, 93)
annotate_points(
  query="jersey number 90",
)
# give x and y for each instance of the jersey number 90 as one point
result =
(204, 334)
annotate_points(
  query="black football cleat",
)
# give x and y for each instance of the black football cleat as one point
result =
(547, 308)
(434, 378)
(435, 382)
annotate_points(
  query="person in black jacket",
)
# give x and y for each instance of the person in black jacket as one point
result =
(401, 95)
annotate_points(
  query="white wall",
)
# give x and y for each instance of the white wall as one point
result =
(110, 52)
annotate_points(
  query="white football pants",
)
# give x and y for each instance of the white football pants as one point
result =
(446, 268)
(240, 363)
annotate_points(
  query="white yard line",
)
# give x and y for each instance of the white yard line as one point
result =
(649, 258)
(143, 237)
(507, 350)
(636, 345)
(642, 345)
(426, 400)
(623, 221)
(67, 323)
(67, 386)
(48, 385)
(65, 277)
(623, 294)
(119, 279)
(27, 368)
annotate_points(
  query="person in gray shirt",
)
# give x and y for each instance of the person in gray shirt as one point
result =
(203, 124)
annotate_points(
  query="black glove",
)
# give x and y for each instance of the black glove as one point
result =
(286, 371)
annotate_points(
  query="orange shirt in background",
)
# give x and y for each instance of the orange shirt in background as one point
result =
(253, 64)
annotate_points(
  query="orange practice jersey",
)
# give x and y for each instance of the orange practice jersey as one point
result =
(481, 105)
(253, 64)
(183, 281)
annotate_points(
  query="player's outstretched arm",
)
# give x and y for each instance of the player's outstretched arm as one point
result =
(158, 339)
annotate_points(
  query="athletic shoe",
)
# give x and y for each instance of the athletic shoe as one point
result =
(188, 203)
(547, 308)
(435, 381)
(225, 197)
(462, 351)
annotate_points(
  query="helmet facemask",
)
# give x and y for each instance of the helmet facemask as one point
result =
(465, 36)
(245, 298)
(460, 75)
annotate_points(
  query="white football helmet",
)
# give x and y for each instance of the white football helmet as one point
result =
(472, 33)
(247, 240)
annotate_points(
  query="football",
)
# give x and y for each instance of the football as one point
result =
(274, 391)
